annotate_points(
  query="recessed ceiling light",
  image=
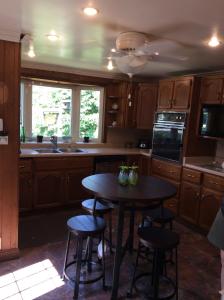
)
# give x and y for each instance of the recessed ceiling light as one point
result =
(90, 11)
(214, 42)
(156, 53)
(113, 50)
(52, 36)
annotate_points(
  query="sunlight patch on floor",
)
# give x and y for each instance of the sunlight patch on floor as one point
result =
(30, 282)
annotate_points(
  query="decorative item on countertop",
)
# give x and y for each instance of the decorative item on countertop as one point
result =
(22, 134)
(123, 175)
(86, 139)
(114, 124)
(39, 138)
(133, 175)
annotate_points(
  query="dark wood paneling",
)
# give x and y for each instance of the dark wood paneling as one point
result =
(9, 111)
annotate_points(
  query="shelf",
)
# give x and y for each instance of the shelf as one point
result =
(113, 111)
(113, 97)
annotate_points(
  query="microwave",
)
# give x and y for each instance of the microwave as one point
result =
(212, 121)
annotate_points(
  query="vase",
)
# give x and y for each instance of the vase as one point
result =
(123, 177)
(133, 177)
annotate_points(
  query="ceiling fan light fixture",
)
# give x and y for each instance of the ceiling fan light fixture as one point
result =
(110, 65)
(156, 53)
(214, 41)
(31, 52)
(130, 41)
(90, 11)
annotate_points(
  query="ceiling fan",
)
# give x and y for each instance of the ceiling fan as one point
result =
(135, 49)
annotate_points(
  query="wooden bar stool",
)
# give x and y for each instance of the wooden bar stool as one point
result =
(159, 241)
(98, 207)
(84, 227)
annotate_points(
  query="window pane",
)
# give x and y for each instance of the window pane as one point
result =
(89, 113)
(51, 111)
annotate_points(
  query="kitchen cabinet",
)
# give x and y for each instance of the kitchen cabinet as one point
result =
(175, 94)
(49, 189)
(25, 185)
(211, 91)
(129, 96)
(189, 202)
(57, 181)
(172, 173)
(209, 206)
(147, 98)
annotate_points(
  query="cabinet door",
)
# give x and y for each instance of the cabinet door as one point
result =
(211, 90)
(146, 106)
(25, 191)
(165, 94)
(49, 188)
(130, 104)
(182, 94)
(189, 202)
(74, 189)
(209, 206)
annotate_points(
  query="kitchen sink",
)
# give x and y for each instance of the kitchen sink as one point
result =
(70, 150)
(44, 150)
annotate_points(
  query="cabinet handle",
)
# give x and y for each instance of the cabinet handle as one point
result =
(191, 176)
(202, 196)
(22, 167)
(213, 182)
(197, 195)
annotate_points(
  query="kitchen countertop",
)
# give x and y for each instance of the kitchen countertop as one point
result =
(199, 164)
(88, 152)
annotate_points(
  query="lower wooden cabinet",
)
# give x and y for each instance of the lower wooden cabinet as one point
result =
(74, 189)
(48, 189)
(209, 206)
(189, 202)
(25, 191)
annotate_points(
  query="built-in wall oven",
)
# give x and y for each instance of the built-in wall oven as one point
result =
(168, 135)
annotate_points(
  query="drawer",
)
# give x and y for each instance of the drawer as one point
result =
(166, 169)
(25, 165)
(191, 176)
(62, 163)
(214, 182)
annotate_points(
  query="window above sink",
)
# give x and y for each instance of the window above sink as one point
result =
(67, 111)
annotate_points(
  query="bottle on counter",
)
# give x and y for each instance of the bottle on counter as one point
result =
(22, 134)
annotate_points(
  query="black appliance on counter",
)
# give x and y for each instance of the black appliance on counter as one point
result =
(212, 121)
(144, 144)
(168, 135)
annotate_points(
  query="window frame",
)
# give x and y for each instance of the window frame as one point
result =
(26, 107)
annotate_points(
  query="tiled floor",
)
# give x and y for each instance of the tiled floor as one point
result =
(199, 265)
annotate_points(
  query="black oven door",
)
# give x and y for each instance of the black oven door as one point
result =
(168, 142)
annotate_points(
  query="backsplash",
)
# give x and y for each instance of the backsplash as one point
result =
(118, 136)
(220, 151)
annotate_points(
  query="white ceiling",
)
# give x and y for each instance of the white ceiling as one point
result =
(179, 31)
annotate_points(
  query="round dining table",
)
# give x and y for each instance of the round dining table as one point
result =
(147, 191)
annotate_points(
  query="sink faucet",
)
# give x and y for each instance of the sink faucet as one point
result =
(54, 141)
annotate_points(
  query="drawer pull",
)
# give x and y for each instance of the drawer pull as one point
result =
(213, 182)
(22, 167)
(191, 176)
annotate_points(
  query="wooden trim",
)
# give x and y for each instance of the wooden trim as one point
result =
(9, 254)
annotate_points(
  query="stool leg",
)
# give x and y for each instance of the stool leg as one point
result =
(66, 254)
(78, 267)
(103, 260)
(129, 294)
(110, 232)
(131, 231)
(157, 270)
(89, 259)
(176, 261)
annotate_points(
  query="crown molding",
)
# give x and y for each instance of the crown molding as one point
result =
(10, 36)
(56, 68)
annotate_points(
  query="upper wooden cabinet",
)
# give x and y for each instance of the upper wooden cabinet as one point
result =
(175, 94)
(147, 94)
(211, 91)
(165, 94)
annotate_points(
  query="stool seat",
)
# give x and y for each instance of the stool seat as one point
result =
(160, 215)
(100, 208)
(158, 238)
(86, 225)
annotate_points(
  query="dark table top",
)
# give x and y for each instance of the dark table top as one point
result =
(148, 188)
